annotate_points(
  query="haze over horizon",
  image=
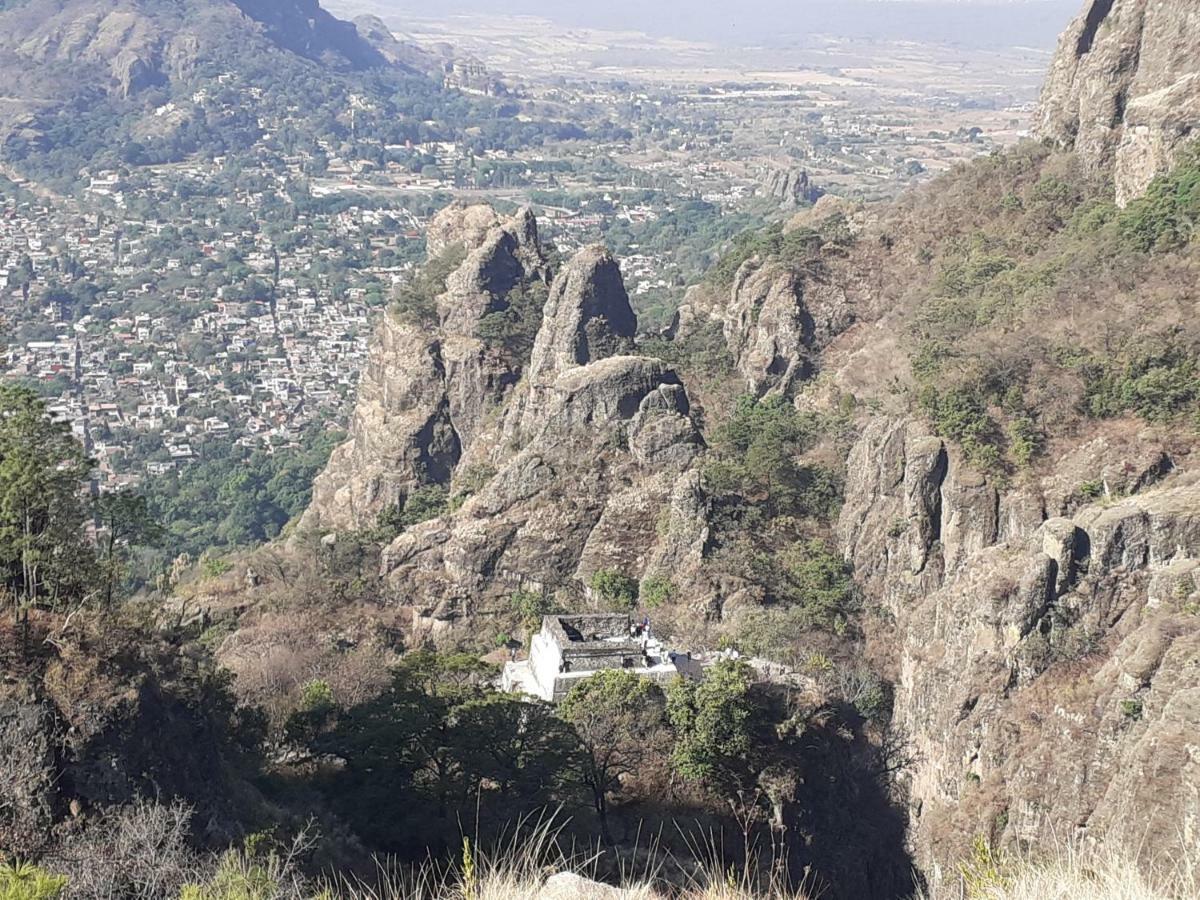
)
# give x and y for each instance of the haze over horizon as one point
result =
(982, 23)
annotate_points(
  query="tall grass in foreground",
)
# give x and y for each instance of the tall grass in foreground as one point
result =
(519, 873)
(536, 852)
(533, 853)
(1079, 875)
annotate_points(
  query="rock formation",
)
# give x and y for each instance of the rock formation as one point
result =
(1041, 637)
(775, 319)
(581, 459)
(426, 393)
(791, 188)
(1123, 90)
(1043, 647)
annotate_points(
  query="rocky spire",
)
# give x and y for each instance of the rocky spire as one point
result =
(587, 316)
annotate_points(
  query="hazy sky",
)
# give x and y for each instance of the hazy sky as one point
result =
(970, 22)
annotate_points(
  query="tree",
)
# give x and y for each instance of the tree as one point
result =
(442, 736)
(618, 718)
(520, 749)
(43, 548)
(714, 743)
(124, 521)
(756, 454)
(618, 592)
(711, 720)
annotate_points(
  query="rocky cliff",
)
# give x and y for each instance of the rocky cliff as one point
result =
(1044, 646)
(1123, 90)
(428, 390)
(1004, 385)
(579, 457)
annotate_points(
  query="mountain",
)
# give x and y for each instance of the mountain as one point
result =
(982, 399)
(87, 79)
(919, 480)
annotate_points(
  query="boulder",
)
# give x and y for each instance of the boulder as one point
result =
(566, 886)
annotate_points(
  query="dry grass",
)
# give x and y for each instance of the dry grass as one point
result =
(532, 863)
(1080, 877)
(1072, 873)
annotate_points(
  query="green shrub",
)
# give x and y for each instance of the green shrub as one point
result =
(812, 579)
(1091, 490)
(1165, 218)
(962, 275)
(1024, 440)
(238, 877)
(1159, 381)
(424, 503)
(618, 592)
(214, 566)
(416, 302)
(1131, 709)
(23, 881)
(986, 872)
(657, 590)
(960, 413)
(798, 248)
(316, 710)
(754, 459)
(316, 694)
(530, 607)
(515, 327)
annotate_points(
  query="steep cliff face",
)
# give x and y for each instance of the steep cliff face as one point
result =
(1124, 90)
(581, 457)
(775, 318)
(1044, 646)
(427, 391)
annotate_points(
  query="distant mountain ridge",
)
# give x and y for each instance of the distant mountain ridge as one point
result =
(83, 78)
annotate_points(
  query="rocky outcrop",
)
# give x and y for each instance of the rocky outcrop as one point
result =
(90, 720)
(588, 462)
(426, 393)
(791, 188)
(775, 319)
(1041, 659)
(500, 259)
(27, 774)
(587, 317)
(576, 498)
(1124, 88)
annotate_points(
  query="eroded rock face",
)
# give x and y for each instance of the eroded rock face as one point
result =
(576, 498)
(426, 393)
(589, 462)
(1043, 661)
(587, 316)
(1124, 89)
(775, 319)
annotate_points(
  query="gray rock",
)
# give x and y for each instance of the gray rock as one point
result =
(425, 395)
(566, 886)
(587, 316)
(792, 188)
(1124, 88)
